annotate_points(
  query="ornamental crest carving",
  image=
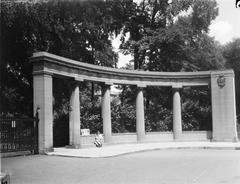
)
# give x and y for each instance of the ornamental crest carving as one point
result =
(221, 81)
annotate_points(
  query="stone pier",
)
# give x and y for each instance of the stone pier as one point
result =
(42, 97)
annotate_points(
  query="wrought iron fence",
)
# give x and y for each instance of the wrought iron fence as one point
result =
(19, 134)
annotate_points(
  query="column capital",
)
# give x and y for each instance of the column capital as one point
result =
(74, 84)
(108, 83)
(141, 86)
(45, 73)
(80, 79)
(105, 86)
(177, 86)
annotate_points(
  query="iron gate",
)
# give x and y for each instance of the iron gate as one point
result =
(19, 134)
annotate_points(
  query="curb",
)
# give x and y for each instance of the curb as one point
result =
(15, 154)
(145, 150)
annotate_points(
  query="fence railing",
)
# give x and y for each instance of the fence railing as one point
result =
(19, 134)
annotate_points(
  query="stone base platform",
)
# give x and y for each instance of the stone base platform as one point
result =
(122, 149)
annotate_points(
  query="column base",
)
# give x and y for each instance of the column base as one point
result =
(46, 150)
(177, 137)
(141, 141)
(141, 138)
(108, 141)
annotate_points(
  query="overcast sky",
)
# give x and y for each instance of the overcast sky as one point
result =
(227, 25)
(224, 28)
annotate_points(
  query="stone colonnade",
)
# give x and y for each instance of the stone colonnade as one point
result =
(74, 118)
(46, 66)
(43, 97)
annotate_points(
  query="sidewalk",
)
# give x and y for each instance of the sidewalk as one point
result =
(122, 149)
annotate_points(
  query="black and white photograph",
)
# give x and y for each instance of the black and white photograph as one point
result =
(120, 91)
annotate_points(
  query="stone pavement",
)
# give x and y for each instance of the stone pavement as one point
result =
(122, 149)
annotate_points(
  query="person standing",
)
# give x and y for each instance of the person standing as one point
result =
(98, 140)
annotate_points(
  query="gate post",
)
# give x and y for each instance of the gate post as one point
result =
(42, 98)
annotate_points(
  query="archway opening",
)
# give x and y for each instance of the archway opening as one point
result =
(61, 108)
(158, 115)
(123, 110)
(196, 109)
(90, 107)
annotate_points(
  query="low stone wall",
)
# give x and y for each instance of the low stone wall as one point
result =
(186, 136)
(87, 140)
(196, 135)
(158, 136)
(124, 138)
(151, 137)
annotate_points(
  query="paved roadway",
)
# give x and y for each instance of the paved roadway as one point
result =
(182, 166)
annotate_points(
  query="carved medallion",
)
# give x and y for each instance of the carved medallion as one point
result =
(221, 81)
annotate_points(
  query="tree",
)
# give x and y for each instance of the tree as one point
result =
(163, 38)
(73, 29)
(231, 53)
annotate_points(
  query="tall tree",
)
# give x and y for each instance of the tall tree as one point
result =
(74, 29)
(231, 53)
(163, 39)
(173, 36)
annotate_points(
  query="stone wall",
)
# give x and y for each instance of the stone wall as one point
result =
(118, 138)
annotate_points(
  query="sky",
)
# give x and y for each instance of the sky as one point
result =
(227, 25)
(224, 28)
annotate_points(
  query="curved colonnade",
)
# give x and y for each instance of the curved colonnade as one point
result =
(46, 66)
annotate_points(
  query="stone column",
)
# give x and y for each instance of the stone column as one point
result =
(74, 118)
(42, 98)
(140, 122)
(106, 113)
(224, 127)
(177, 117)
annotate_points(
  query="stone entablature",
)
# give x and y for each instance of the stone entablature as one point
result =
(56, 65)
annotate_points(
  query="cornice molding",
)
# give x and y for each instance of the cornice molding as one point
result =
(58, 65)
